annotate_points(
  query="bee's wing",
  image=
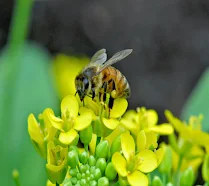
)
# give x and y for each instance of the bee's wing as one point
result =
(99, 57)
(115, 58)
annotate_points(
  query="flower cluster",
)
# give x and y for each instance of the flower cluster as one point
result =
(91, 144)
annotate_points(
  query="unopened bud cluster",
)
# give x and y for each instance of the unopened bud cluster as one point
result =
(87, 170)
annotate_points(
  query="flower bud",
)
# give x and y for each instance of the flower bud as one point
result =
(92, 161)
(187, 177)
(157, 181)
(116, 145)
(56, 163)
(122, 181)
(97, 174)
(103, 181)
(73, 172)
(72, 158)
(75, 141)
(110, 172)
(102, 149)
(166, 164)
(67, 182)
(205, 168)
(101, 164)
(93, 183)
(86, 135)
(83, 157)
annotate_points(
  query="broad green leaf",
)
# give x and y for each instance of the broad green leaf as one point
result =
(29, 91)
(198, 101)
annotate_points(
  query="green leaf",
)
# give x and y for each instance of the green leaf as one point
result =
(198, 101)
(24, 88)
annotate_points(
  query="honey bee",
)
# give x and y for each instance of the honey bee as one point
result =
(99, 78)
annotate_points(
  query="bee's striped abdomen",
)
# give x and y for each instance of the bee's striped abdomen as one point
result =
(115, 80)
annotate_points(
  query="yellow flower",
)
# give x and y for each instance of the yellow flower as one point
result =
(193, 158)
(41, 132)
(104, 119)
(143, 119)
(133, 165)
(56, 162)
(70, 122)
(191, 131)
(65, 69)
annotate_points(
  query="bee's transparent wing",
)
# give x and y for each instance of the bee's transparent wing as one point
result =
(99, 57)
(115, 58)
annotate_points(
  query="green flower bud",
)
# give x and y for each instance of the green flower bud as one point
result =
(83, 157)
(116, 145)
(88, 173)
(73, 172)
(205, 168)
(73, 180)
(101, 164)
(82, 168)
(122, 181)
(92, 161)
(93, 183)
(92, 169)
(166, 164)
(73, 147)
(103, 181)
(187, 177)
(102, 149)
(110, 172)
(83, 182)
(86, 135)
(157, 181)
(67, 182)
(97, 174)
(79, 176)
(72, 159)
(75, 141)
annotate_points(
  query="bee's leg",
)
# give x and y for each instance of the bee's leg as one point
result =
(93, 93)
(104, 86)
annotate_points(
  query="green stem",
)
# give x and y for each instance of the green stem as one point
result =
(57, 184)
(18, 32)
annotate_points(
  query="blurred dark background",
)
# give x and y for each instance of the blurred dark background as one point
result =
(170, 41)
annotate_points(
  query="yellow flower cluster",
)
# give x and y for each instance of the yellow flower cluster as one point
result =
(129, 140)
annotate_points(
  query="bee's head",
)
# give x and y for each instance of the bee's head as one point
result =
(82, 85)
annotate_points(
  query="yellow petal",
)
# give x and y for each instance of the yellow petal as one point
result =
(137, 179)
(127, 145)
(83, 121)
(92, 144)
(128, 124)
(110, 123)
(92, 105)
(67, 137)
(151, 138)
(70, 104)
(84, 110)
(56, 122)
(152, 117)
(141, 140)
(163, 129)
(148, 161)
(119, 107)
(159, 154)
(119, 163)
(114, 134)
(34, 129)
